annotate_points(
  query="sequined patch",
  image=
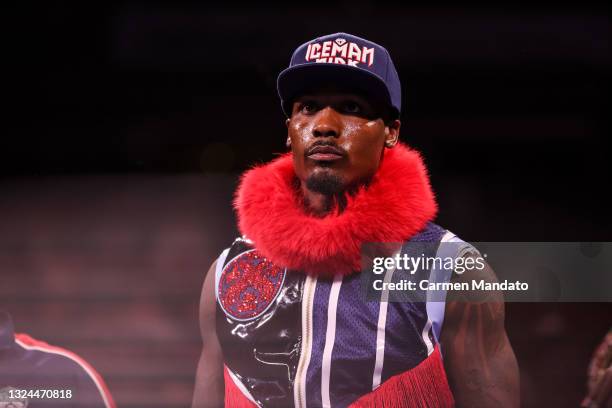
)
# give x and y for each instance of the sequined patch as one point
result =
(248, 285)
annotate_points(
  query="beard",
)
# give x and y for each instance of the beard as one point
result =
(326, 184)
(334, 188)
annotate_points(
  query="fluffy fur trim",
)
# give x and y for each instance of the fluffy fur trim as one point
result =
(397, 204)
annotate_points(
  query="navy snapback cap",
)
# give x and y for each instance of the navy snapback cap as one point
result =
(345, 60)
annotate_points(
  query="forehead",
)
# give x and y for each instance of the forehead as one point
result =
(334, 95)
(334, 92)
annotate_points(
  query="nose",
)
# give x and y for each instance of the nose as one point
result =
(327, 123)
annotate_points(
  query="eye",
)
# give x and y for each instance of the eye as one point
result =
(352, 107)
(308, 107)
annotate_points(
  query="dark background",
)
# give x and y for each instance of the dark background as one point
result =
(509, 102)
(128, 123)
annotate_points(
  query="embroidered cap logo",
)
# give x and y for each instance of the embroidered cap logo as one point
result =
(339, 51)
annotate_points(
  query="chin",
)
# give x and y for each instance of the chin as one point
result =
(325, 181)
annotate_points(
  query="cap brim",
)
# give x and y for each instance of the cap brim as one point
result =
(296, 80)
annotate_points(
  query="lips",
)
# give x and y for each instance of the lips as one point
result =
(325, 153)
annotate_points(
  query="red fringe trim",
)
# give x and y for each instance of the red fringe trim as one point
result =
(423, 386)
(234, 398)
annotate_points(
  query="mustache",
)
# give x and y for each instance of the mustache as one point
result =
(319, 144)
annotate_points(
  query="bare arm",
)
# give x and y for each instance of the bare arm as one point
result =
(209, 386)
(481, 366)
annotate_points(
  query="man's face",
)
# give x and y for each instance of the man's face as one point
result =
(337, 139)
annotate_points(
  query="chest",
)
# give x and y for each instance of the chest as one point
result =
(296, 340)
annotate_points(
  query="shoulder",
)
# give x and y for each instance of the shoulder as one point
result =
(209, 294)
(472, 271)
(240, 246)
(448, 244)
(433, 232)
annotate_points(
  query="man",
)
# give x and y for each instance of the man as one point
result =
(35, 374)
(283, 322)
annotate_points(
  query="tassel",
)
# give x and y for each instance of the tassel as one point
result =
(234, 398)
(423, 386)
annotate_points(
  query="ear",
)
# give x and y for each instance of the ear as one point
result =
(392, 131)
(288, 142)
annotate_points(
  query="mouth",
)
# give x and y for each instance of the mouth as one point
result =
(325, 153)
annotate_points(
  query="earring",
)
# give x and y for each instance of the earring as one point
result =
(288, 142)
(389, 144)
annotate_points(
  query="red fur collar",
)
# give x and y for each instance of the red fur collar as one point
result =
(396, 205)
